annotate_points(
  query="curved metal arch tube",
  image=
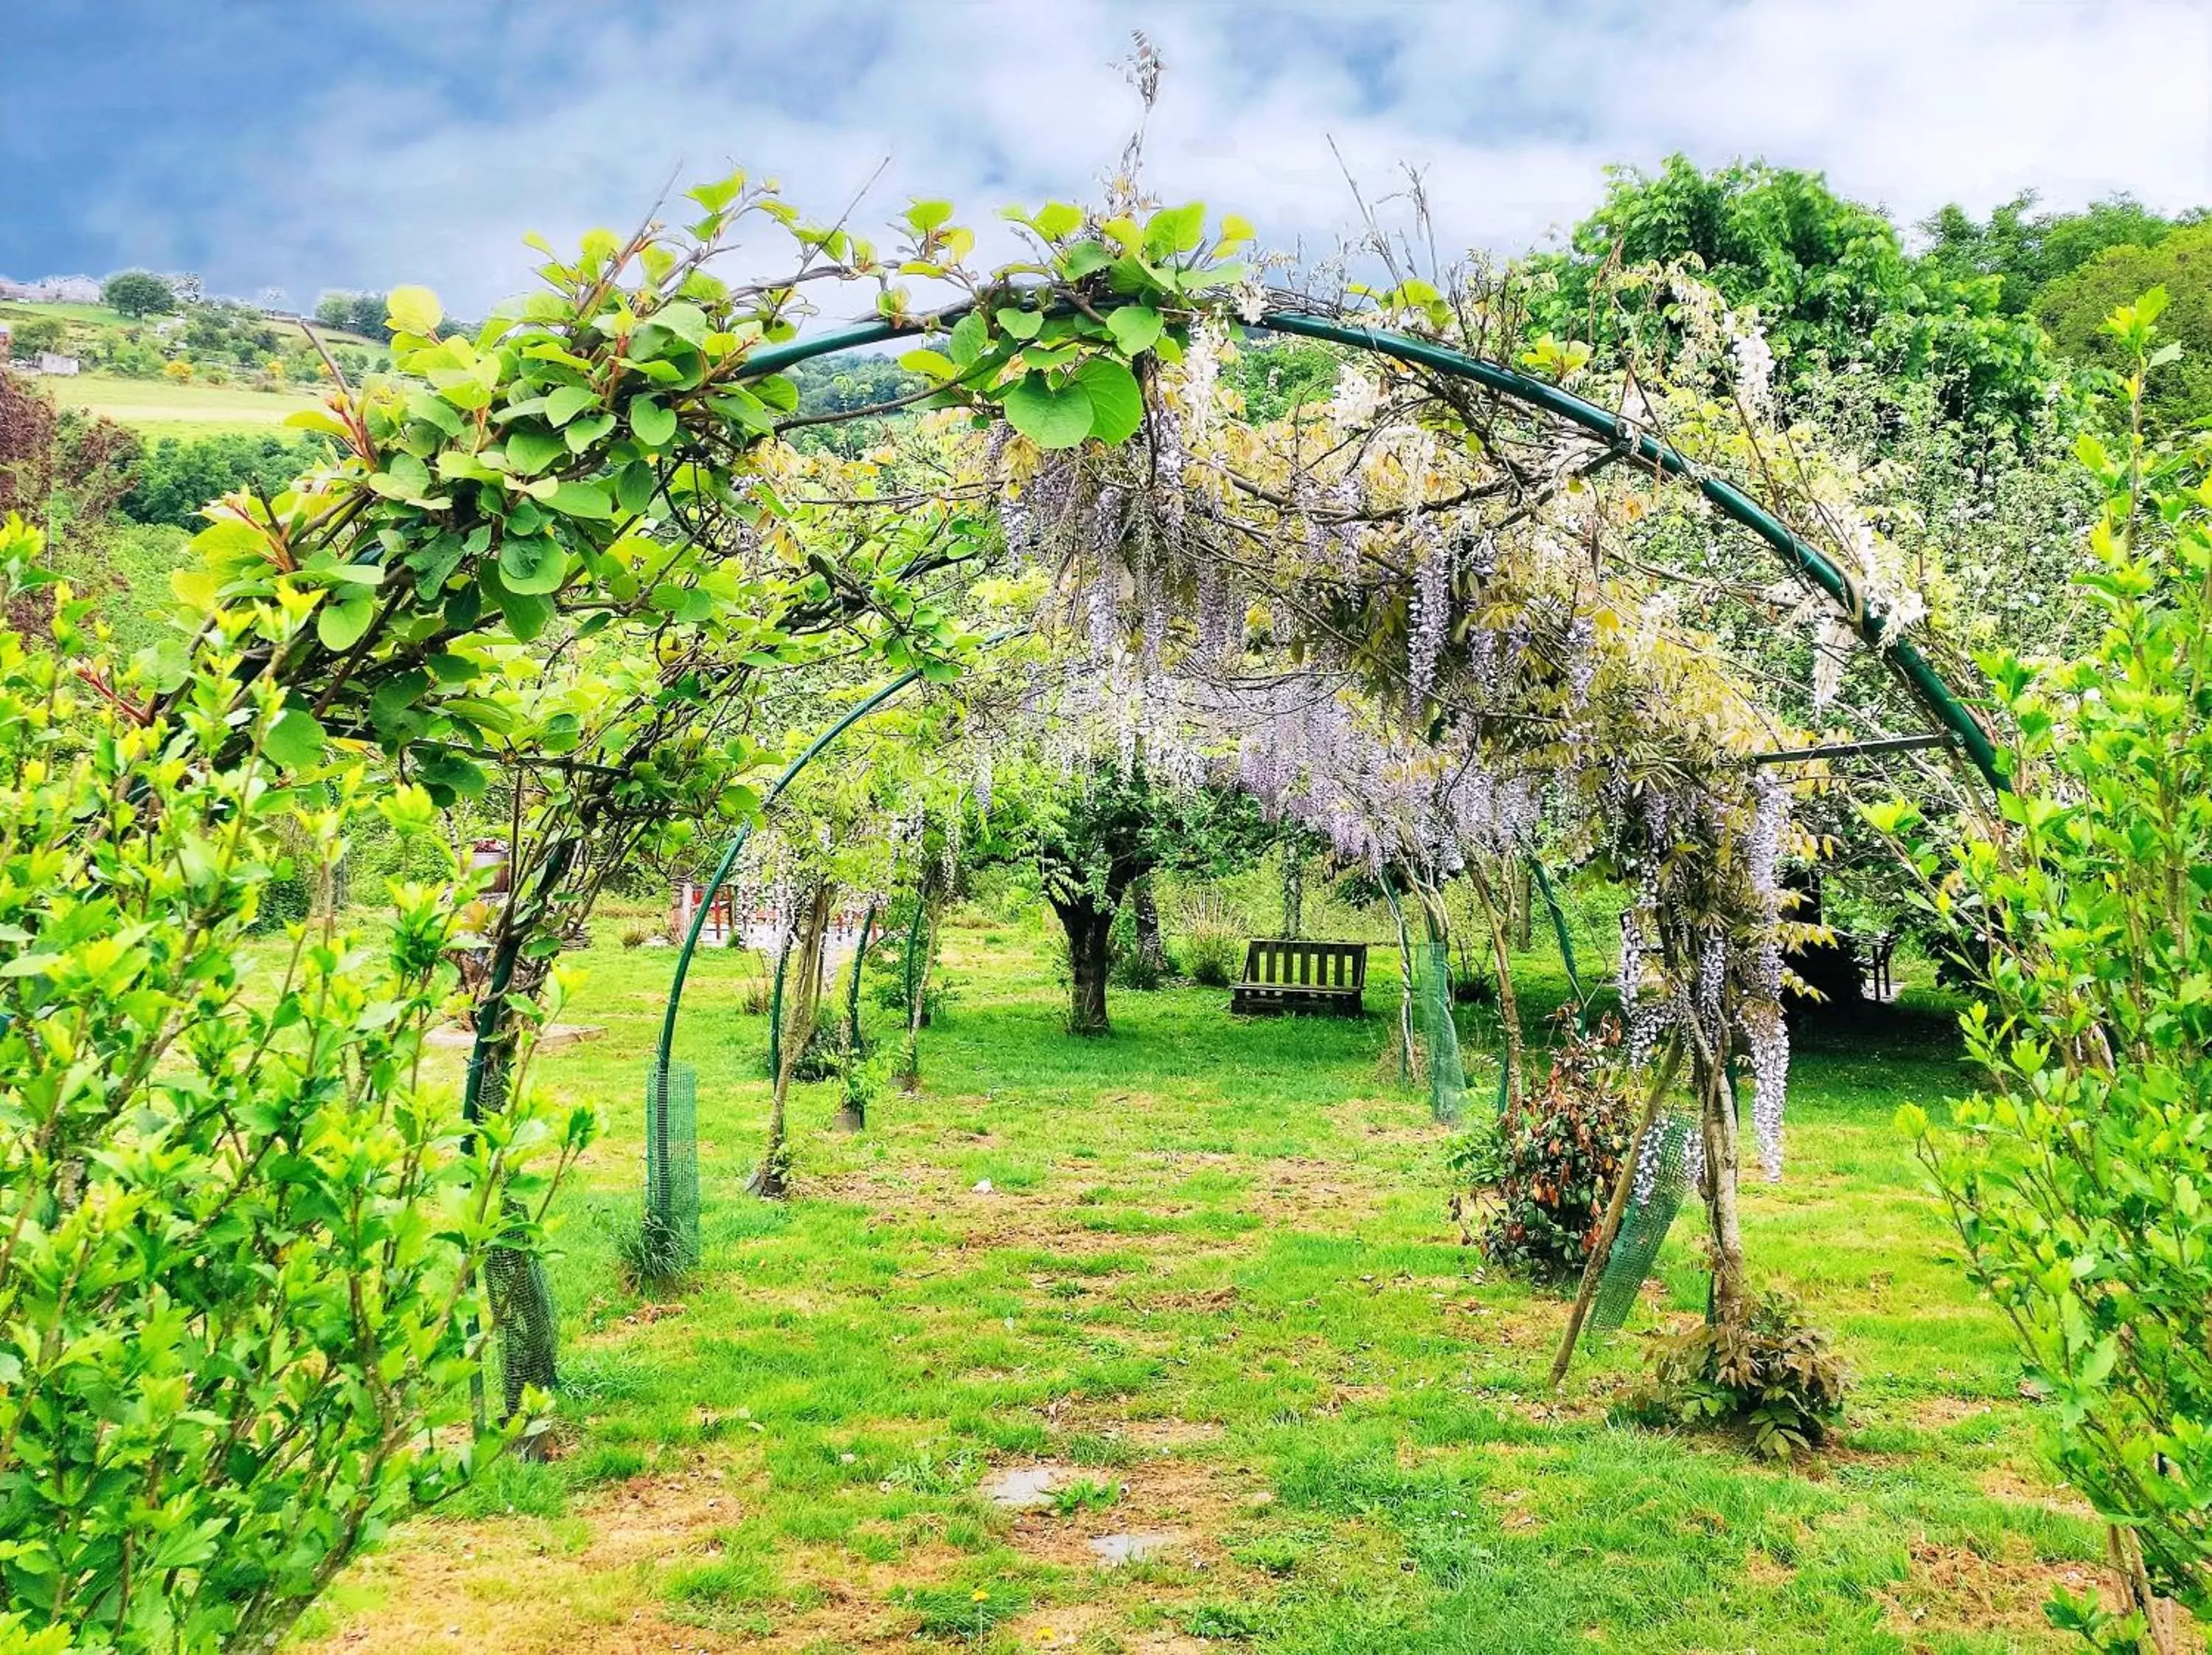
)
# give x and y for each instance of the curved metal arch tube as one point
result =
(1926, 683)
(737, 848)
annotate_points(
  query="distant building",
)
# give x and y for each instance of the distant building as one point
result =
(52, 290)
(53, 362)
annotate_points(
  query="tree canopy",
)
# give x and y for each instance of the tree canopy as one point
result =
(1828, 277)
(138, 293)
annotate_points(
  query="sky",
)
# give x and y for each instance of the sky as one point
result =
(360, 144)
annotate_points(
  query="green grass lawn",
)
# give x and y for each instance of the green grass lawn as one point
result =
(160, 408)
(1214, 1283)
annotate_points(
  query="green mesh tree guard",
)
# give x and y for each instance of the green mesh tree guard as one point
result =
(529, 1330)
(670, 1243)
(1432, 1000)
(1428, 992)
(1644, 1226)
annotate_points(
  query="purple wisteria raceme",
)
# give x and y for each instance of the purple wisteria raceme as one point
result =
(1427, 618)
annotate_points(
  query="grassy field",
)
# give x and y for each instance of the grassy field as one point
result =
(158, 408)
(1213, 1285)
(100, 316)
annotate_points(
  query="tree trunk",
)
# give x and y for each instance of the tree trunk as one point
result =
(1294, 889)
(1089, 930)
(1730, 1299)
(1405, 985)
(805, 1006)
(852, 1115)
(771, 1178)
(921, 947)
(523, 1311)
(1521, 884)
(1447, 1071)
(1149, 944)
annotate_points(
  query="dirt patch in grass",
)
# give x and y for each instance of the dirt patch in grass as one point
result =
(2005, 1482)
(1953, 1589)
(504, 1586)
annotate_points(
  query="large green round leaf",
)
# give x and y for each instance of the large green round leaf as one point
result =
(531, 563)
(340, 622)
(296, 740)
(1117, 406)
(1134, 327)
(413, 310)
(1050, 418)
(653, 424)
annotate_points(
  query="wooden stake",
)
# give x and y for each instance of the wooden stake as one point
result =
(1615, 1210)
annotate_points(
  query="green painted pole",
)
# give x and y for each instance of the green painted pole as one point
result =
(1921, 677)
(1566, 943)
(1925, 681)
(853, 995)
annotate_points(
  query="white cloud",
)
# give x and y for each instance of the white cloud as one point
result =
(1511, 109)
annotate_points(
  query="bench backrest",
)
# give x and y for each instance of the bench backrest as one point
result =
(1292, 962)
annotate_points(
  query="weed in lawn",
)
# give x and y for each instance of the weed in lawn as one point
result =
(954, 1612)
(1083, 1495)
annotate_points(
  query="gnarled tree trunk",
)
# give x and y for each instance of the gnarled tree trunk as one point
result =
(1731, 1295)
(1089, 931)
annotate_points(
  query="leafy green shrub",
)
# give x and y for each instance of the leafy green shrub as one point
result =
(1212, 957)
(2077, 1176)
(1134, 968)
(886, 983)
(1556, 1158)
(1475, 1156)
(177, 476)
(244, 1251)
(1773, 1373)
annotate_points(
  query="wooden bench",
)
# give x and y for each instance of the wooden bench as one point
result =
(1285, 974)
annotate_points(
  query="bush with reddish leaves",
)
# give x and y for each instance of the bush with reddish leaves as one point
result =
(1558, 1155)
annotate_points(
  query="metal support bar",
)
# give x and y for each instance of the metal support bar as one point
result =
(1888, 744)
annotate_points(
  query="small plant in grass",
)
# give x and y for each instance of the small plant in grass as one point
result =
(1275, 1553)
(964, 1612)
(637, 934)
(1133, 968)
(1094, 1448)
(1220, 1619)
(1212, 956)
(1556, 1158)
(652, 1253)
(861, 1082)
(1771, 1373)
(1084, 1494)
